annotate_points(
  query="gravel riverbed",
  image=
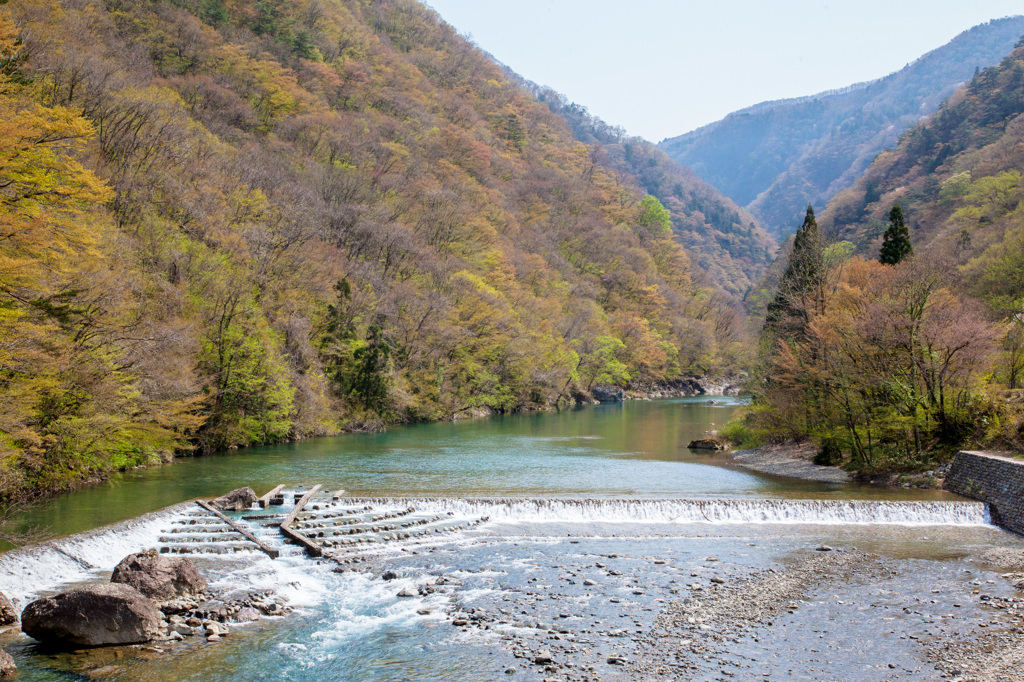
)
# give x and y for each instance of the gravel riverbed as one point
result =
(789, 460)
(616, 608)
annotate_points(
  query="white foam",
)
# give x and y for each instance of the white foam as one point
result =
(360, 605)
(806, 512)
(27, 572)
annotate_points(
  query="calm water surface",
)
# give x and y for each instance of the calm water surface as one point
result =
(632, 449)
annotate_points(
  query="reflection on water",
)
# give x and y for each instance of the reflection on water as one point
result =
(632, 449)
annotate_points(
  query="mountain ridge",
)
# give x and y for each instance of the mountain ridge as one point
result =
(775, 157)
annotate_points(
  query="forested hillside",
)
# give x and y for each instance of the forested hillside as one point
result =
(724, 240)
(897, 333)
(776, 157)
(231, 222)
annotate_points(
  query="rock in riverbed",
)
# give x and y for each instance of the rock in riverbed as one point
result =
(7, 668)
(93, 616)
(8, 614)
(238, 499)
(707, 444)
(159, 577)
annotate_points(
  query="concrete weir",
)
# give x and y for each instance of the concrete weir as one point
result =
(993, 478)
(324, 524)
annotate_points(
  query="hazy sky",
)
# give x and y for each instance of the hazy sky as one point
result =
(660, 68)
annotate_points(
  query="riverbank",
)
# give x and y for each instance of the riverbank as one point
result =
(681, 388)
(792, 460)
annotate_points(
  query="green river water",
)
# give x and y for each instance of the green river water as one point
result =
(631, 449)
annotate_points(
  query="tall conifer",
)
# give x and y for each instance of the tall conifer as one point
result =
(789, 311)
(896, 241)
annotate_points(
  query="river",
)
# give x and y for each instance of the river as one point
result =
(559, 490)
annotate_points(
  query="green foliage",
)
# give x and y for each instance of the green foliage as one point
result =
(896, 240)
(270, 18)
(370, 380)
(214, 12)
(514, 131)
(251, 399)
(837, 253)
(603, 366)
(282, 219)
(741, 430)
(653, 216)
(789, 311)
(830, 454)
(954, 187)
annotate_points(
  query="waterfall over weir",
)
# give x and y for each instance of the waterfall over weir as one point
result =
(810, 512)
(31, 570)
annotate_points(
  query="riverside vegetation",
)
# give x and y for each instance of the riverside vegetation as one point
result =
(891, 364)
(233, 223)
(230, 223)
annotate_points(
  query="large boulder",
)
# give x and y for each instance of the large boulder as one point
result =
(7, 668)
(8, 614)
(93, 616)
(608, 394)
(159, 577)
(238, 499)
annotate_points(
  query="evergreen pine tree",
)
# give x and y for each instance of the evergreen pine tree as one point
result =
(896, 241)
(791, 303)
(214, 12)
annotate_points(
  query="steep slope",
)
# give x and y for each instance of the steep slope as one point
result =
(958, 180)
(776, 157)
(723, 240)
(236, 222)
(894, 358)
(956, 176)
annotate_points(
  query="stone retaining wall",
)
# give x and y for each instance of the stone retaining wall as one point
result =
(994, 479)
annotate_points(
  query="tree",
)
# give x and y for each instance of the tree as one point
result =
(653, 215)
(214, 12)
(896, 241)
(794, 303)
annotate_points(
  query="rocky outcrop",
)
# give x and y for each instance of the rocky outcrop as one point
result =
(93, 616)
(707, 444)
(238, 499)
(8, 614)
(608, 394)
(159, 577)
(687, 388)
(7, 668)
(706, 386)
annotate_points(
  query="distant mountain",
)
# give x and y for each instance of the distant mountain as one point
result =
(957, 177)
(776, 157)
(725, 241)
